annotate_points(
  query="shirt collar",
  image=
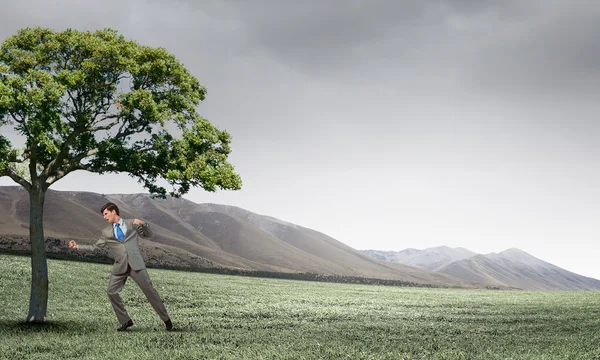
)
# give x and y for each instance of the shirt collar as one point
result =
(120, 222)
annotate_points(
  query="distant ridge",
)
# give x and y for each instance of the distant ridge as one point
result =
(509, 268)
(431, 259)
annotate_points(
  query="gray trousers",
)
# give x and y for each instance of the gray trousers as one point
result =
(116, 284)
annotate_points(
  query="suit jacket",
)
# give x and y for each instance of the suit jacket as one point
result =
(124, 253)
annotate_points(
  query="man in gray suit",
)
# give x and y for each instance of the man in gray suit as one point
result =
(121, 238)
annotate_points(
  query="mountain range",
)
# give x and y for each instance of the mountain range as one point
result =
(212, 236)
(509, 268)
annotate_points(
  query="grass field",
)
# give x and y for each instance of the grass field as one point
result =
(228, 317)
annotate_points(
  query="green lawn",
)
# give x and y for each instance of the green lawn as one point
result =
(228, 317)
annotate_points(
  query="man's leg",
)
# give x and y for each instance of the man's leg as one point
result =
(115, 286)
(142, 278)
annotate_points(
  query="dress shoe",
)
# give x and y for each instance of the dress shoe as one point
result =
(168, 325)
(124, 326)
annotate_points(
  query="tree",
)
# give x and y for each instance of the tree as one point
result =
(95, 101)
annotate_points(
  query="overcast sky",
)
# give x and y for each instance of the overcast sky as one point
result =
(387, 124)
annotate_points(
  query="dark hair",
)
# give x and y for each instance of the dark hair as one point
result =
(109, 207)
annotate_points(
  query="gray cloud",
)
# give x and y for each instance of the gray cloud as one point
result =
(546, 46)
(306, 33)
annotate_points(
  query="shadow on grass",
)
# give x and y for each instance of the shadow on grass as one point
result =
(79, 327)
(55, 326)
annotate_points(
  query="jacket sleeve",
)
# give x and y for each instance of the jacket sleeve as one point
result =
(144, 231)
(99, 244)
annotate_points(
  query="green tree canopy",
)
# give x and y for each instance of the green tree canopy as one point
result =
(97, 102)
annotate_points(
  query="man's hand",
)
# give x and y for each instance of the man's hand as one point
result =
(72, 244)
(138, 222)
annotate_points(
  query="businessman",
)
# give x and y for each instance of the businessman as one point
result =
(121, 238)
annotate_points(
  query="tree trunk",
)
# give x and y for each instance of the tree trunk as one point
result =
(38, 301)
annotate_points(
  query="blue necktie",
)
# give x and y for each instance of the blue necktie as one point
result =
(120, 234)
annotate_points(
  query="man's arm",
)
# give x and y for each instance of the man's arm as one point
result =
(143, 228)
(99, 244)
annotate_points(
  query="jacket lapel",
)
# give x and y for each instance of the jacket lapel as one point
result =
(110, 233)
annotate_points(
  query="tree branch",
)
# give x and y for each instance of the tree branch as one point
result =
(20, 119)
(98, 170)
(73, 164)
(77, 159)
(74, 101)
(16, 178)
(102, 105)
(64, 151)
(105, 127)
(61, 173)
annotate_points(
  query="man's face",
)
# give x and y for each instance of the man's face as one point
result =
(110, 216)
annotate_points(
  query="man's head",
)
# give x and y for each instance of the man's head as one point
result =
(110, 212)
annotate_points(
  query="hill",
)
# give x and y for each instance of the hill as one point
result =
(512, 268)
(430, 259)
(202, 236)
(518, 269)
